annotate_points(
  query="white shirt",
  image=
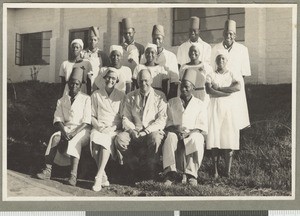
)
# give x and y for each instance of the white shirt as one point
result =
(130, 52)
(65, 69)
(203, 70)
(158, 74)
(73, 114)
(169, 61)
(153, 116)
(194, 116)
(183, 51)
(238, 58)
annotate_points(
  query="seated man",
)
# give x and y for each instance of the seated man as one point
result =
(144, 118)
(72, 118)
(183, 148)
(106, 121)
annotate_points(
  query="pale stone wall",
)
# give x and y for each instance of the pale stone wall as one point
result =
(268, 36)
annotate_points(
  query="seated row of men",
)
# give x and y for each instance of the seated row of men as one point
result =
(134, 129)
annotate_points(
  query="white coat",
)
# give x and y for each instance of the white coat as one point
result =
(194, 116)
(105, 113)
(238, 62)
(153, 117)
(183, 51)
(169, 61)
(72, 115)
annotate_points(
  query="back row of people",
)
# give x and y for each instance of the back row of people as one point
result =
(189, 119)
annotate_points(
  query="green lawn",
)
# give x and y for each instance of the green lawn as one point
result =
(262, 167)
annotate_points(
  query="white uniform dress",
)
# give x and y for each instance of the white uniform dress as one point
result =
(169, 61)
(194, 116)
(72, 116)
(158, 74)
(200, 91)
(124, 74)
(238, 61)
(106, 109)
(223, 121)
(183, 51)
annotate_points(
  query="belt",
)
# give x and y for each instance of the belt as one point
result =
(198, 89)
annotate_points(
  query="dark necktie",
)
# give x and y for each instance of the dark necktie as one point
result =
(72, 100)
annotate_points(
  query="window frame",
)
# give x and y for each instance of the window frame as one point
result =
(228, 14)
(19, 48)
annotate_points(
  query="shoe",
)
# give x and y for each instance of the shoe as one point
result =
(97, 185)
(192, 181)
(105, 182)
(170, 178)
(72, 180)
(168, 182)
(45, 174)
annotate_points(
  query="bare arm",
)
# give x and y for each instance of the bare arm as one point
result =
(213, 92)
(165, 86)
(128, 87)
(77, 130)
(234, 87)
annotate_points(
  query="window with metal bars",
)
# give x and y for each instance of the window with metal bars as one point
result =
(33, 48)
(211, 23)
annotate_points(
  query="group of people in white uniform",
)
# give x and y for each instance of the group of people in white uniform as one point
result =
(148, 108)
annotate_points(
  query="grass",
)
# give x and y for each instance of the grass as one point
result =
(262, 167)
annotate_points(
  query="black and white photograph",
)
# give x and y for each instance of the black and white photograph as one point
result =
(158, 102)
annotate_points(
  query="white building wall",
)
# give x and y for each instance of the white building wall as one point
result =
(268, 36)
(23, 21)
(279, 45)
(143, 21)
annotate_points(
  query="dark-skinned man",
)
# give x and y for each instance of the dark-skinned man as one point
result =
(72, 119)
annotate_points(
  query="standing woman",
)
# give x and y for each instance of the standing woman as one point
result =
(202, 68)
(159, 75)
(124, 72)
(239, 63)
(106, 120)
(223, 125)
(74, 62)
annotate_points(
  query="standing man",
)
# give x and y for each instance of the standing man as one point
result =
(166, 59)
(72, 119)
(96, 57)
(238, 63)
(194, 39)
(144, 118)
(132, 50)
(186, 127)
